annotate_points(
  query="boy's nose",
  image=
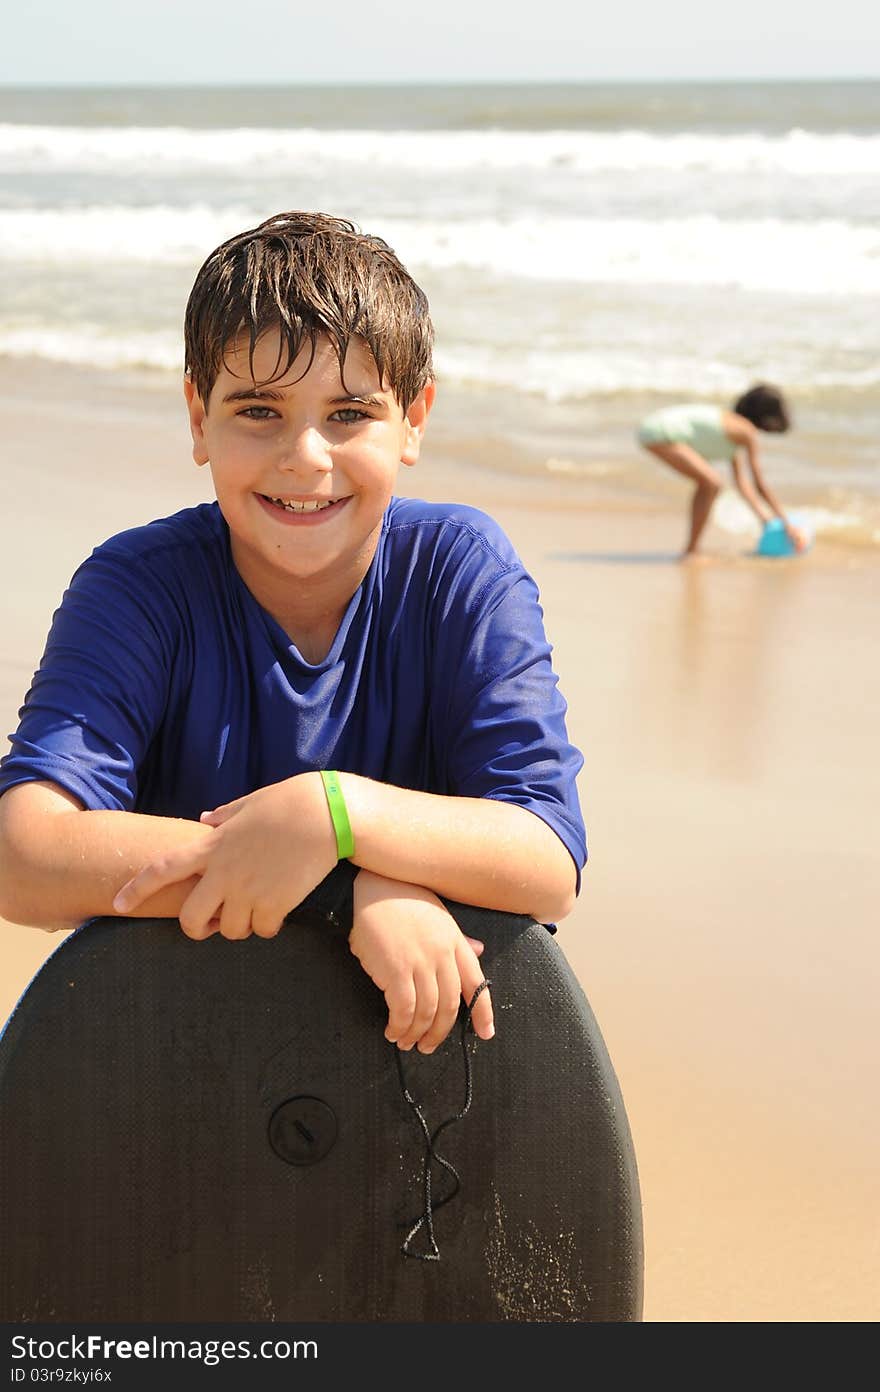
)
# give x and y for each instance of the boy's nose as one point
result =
(305, 451)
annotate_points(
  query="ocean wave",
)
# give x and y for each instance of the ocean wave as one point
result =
(157, 235)
(92, 347)
(848, 526)
(129, 149)
(560, 375)
(551, 373)
(822, 257)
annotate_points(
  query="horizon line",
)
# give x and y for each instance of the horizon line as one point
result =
(284, 85)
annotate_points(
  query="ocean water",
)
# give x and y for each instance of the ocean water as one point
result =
(590, 252)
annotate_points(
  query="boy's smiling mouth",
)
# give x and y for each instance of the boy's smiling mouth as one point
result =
(302, 509)
(300, 504)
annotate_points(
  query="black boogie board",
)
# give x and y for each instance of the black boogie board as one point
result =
(219, 1131)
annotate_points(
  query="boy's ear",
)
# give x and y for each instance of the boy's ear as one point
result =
(197, 413)
(415, 420)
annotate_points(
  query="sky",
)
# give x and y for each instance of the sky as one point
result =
(344, 41)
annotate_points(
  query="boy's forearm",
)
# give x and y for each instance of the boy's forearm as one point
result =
(479, 851)
(60, 864)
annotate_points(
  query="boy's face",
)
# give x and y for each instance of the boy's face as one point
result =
(303, 468)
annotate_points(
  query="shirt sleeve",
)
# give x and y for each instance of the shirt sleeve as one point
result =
(98, 695)
(506, 735)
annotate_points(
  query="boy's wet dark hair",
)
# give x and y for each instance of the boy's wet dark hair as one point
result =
(765, 407)
(310, 276)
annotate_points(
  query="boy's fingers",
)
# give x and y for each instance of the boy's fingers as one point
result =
(401, 1001)
(235, 920)
(482, 1018)
(152, 878)
(427, 997)
(471, 976)
(219, 815)
(448, 1001)
(198, 912)
(266, 923)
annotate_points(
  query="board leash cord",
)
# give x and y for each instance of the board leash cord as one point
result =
(426, 1218)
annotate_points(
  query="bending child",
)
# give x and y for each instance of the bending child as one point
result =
(204, 671)
(690, 437)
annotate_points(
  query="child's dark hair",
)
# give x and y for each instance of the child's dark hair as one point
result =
(309, 275)
(765, 407)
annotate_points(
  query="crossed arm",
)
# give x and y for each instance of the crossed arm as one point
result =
(244, 866)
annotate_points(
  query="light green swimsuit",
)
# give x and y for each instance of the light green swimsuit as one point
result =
(694, 424)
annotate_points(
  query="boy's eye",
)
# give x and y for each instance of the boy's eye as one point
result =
(349, 415)
(257, 413)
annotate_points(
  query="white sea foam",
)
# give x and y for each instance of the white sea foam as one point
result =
(734, 516)
(117, 233)
(560, 374)
(804, 257)
(94, 347)
(815, 258)
(554, 373)
(129, 149)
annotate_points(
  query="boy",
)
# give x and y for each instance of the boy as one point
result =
(332, 671)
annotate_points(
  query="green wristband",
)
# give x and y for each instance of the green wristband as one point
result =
(338, 815)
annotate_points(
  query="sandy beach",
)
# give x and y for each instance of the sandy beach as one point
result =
(727, 715)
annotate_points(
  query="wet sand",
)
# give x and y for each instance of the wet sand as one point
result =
(724, 935)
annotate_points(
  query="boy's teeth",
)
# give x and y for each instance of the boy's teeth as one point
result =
(311, 505)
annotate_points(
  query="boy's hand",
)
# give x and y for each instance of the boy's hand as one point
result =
(268, 851)
(415, 952)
